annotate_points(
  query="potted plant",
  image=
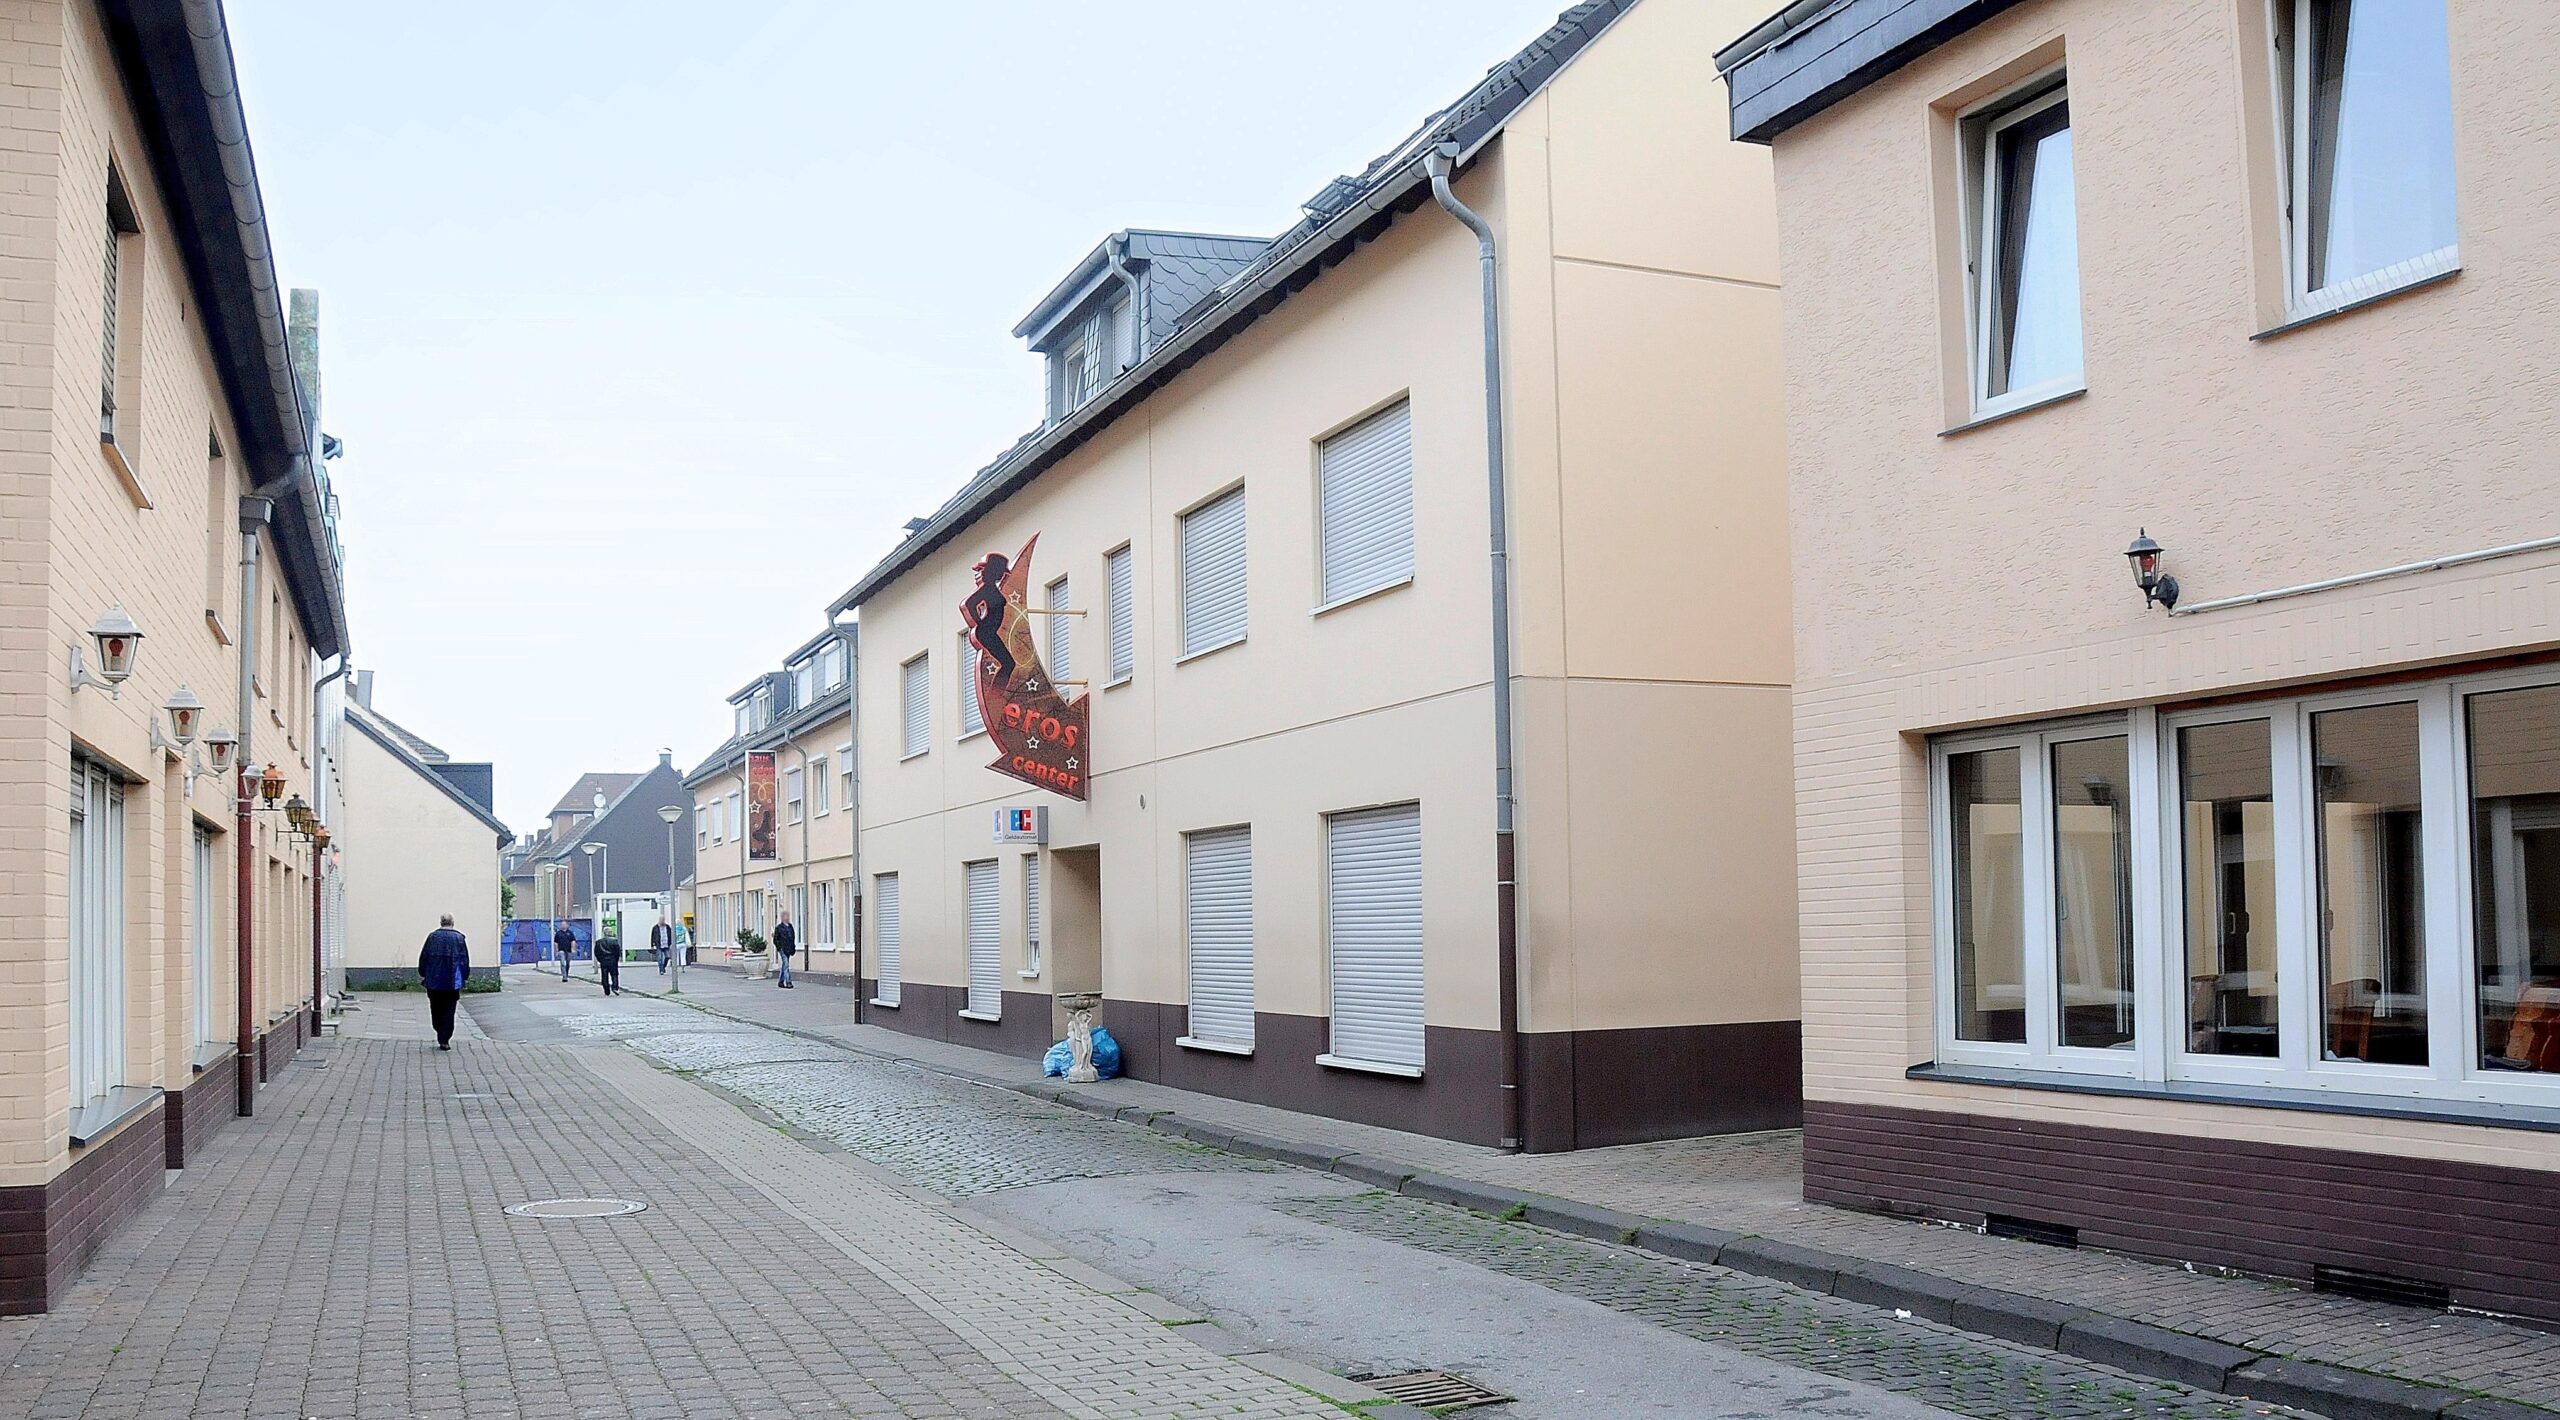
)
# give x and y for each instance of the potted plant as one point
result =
(752, 958)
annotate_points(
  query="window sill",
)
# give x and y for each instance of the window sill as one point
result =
(1355, 598)
(90, 1123)
(2308, 318)
(213, 623)
(212, 1053)
(124, 471)
(2003, 415)
(2537, 1118)
(1031, 975)
(884, 1005)
(919, 754)
(979, 1016)
(1215, 1047)
(1118, 681)
(1370, 1067)
(977, 734)
(1188, 657)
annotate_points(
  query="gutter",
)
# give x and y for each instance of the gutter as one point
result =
(320, 864)
(255, 510)
(1438, 164)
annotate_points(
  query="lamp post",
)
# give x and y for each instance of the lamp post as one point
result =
(668, 814)
(604, 868)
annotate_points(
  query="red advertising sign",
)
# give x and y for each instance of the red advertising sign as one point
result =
(761, 847)
(1040, 735)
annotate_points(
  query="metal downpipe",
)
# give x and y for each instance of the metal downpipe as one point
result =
(319, 863)
(1437, 164)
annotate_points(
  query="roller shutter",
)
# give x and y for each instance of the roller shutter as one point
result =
(1219, 926)
(985, 934)
(1373, 922)
(884, 896)
(1365, 499)
(1213, 574)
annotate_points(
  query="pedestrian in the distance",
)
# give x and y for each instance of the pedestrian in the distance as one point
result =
(662, 940)
(786, 940)
(444, 965)
(609, 961)
(565, 942)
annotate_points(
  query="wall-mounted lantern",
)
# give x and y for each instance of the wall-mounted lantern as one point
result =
(2158, 588)
(118, 641)
(224, 748)
(298, 814)
(271, 784)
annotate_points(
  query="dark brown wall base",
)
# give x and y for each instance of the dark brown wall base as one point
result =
(1458, 1097)
(934, 1013)
(279, 1045)
(2278, 1210)
(196, 1112)
(1591, 1089)
(49, 1232)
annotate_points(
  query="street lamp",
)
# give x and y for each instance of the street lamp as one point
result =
(668, 814)
(603, 873)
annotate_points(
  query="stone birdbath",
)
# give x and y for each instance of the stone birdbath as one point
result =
(1080, 1006)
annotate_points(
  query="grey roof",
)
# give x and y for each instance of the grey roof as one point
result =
(817, 712)
(1183, 266)
(395, 742)
(581, 798)
(1814, 53)
(1350, 211)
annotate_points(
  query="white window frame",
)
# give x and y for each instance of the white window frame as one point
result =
(794, 788)
(915, 705)
(1060, 659)
(1033, 885)
(818, 800)
(207, 899)
(98, 942)
(1120, 582)
(2287, 20)
(973, 721)
(734, 818)
(969, 933)
(2452, 1075)
(701, 828)
(1182, 575)
(831, 666)
(1980, 129)
(888, 940)
(844, 760)
(823, 926)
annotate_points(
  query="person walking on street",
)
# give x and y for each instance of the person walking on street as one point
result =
(444, 966)
(565, 942)
(609, 961)
(662, 940)
(786, 940)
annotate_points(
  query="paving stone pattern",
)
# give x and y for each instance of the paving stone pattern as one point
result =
(1754, 1184)
(1952, 1370)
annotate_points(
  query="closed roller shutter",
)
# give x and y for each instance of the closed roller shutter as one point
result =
(1219, 926)
(1213, 603)
(1031, 913)
(986, 941)
(916, 704)
(1365, 499)
(1062, 633)
(1373, 923)
(884, 895)
(972, 718)
(1124, 625)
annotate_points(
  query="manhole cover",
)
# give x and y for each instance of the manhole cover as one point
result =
(1433, 1390)
(576, 1208)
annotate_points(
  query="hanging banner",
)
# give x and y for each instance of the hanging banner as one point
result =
(1039, 734)
(761, 847)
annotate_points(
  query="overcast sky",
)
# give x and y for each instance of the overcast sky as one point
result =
(647, 325)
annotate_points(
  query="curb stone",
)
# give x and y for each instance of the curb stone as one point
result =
(2128, 1345)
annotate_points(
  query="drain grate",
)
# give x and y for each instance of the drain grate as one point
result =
(576, 1208)
(1433, 1390)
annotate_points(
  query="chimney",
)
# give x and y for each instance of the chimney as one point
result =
(302, 347)
(666, 759)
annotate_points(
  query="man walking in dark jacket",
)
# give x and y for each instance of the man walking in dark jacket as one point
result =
(786, 940)
(444, 966)
(565, 942)
(609, 961)
(662, 940)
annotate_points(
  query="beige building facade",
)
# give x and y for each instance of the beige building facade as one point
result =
(159, 478)
(802, 716)
(421, 841)
(1261, 511)
(2216, 920)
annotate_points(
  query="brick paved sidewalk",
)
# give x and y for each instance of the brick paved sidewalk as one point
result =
(1752, 1185)
(346, 1253)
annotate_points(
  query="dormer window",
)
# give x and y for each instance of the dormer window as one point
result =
(764, 707)
(1087, 358)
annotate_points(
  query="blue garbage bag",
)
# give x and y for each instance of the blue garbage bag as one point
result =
(1106, 1056)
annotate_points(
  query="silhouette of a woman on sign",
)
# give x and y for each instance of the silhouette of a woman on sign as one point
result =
(985, 610)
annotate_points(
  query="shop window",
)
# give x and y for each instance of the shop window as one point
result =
(2515, 876)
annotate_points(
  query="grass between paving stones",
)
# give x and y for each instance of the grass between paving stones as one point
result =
(1938, 1365)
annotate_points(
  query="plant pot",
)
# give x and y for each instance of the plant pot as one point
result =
(754, 966)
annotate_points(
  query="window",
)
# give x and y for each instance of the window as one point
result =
(1122, 611)
(792, 784)
(844, 759)
(1364, 505)
(973, 720)
(221, 526)
(915, 707)
(2368, 108)
(2025, 252)
(1088, 359)
(1218, 929)
(884, 932)
(123, 283)
(764, 707)
(799, 907)
(1061, 633)
(735, 819)
(804, 685)
(745, 722)
(831, 665)
(1213, 575)
(1373, 932)
(2356, 892)
(701, 827)
(818, 787)
(200, 936)
(983, 931)
(1031, 914)
(97, 934)
(823, 926)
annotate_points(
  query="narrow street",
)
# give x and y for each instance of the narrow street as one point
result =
(829, 1233)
